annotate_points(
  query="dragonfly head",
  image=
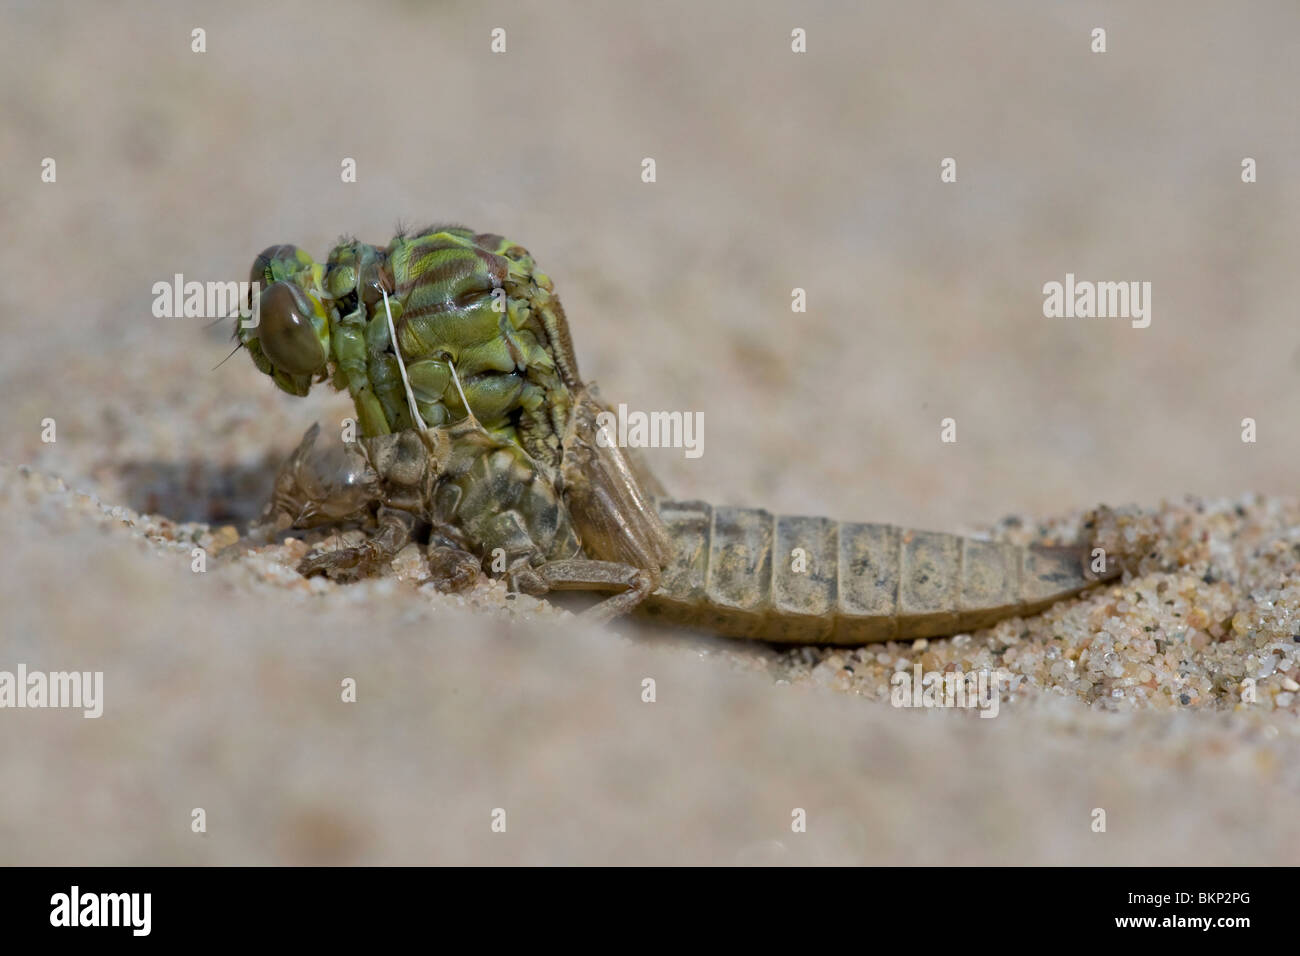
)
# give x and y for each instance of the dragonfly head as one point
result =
(290, 340)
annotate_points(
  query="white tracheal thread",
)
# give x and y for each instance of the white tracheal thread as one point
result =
(460, 391)
(397, 350)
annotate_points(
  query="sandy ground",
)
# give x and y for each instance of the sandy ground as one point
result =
(774, 171)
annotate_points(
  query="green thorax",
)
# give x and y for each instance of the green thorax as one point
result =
(478, 302)
(456, 297)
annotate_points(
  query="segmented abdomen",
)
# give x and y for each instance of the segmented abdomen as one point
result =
(745, 572)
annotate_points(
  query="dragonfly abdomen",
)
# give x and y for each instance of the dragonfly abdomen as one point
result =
(745, 572)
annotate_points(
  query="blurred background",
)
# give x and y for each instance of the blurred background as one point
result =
(775, 170)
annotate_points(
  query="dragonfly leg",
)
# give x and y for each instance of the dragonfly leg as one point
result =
(580, 574)
(393, 534)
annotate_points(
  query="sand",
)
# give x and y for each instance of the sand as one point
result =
(224, 691)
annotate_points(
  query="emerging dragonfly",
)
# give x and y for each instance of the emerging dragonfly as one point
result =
(478, 429)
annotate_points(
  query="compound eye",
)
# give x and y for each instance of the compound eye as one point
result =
(262, 271)
(286, 333)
